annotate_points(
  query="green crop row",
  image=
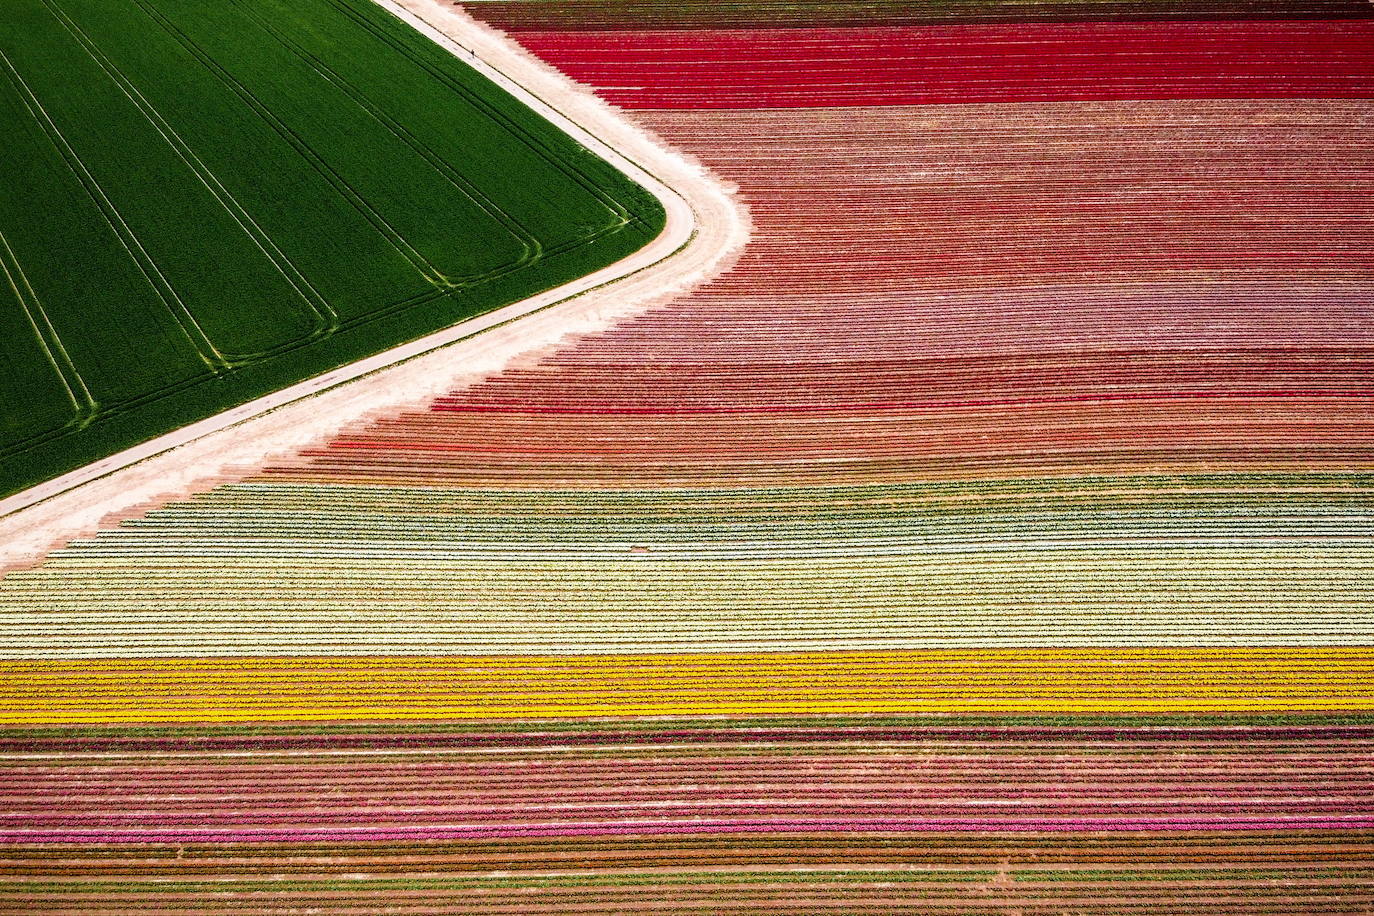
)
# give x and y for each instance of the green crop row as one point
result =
(208, 201)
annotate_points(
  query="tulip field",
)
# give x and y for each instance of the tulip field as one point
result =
(994, 535)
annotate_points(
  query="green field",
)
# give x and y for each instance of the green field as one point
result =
(204, 201)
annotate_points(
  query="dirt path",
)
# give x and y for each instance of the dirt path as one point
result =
(705, 229)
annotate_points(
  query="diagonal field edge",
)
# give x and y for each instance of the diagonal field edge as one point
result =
(34, 520)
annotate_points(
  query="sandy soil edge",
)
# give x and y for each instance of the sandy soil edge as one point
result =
(706, 228)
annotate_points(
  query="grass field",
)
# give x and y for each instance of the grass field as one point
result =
(207, 200)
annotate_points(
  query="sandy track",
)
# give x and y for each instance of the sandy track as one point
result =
(705, 230)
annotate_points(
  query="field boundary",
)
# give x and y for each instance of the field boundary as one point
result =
(705, 226)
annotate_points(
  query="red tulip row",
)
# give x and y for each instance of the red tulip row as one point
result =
(826, 67)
